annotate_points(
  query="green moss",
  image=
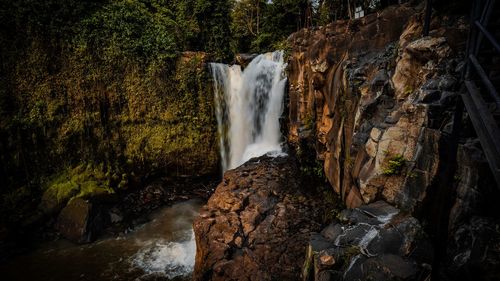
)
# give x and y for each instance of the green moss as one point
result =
(108, 82)
(395, 165)
(90, 189)
(83, 181)
(64, 190)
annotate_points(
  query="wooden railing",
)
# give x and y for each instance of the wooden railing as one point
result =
(480, 97)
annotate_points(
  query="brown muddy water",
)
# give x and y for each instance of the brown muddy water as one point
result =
(162, 249)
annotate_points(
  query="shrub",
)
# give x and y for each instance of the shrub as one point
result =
(394, 165)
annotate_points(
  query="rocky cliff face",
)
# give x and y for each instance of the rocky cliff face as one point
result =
(156, 118)
(474, 226)
(375, 101)
(370, 95)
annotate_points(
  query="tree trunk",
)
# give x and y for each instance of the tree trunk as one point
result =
(349, 9)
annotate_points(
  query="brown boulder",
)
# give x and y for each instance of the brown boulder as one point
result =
(256, 224)
(79, 221)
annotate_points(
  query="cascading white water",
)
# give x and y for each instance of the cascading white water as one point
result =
(249, 104)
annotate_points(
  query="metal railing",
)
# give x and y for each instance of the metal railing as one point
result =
(481, 98)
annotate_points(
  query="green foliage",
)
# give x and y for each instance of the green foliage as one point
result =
(106, 82)
(129, 29)
(313, 171)
(214, 27)
(394, 165)
(259, 26)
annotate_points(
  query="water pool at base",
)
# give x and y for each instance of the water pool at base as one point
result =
(162, 249)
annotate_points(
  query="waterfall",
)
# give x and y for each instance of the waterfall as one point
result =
(249, 104)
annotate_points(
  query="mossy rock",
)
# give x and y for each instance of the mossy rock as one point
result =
(93, 189)
(57, 195)
(83, 181)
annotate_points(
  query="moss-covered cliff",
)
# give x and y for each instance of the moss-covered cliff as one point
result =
(105, 85)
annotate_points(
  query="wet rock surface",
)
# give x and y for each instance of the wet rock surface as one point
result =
(256, 225)
(375, 101)
(372, 242)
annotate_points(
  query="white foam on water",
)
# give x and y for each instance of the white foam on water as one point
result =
(259, 149)
(171, 259)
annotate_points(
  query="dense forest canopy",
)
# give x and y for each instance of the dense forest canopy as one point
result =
(156, 29)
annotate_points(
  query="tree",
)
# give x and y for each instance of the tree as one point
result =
(257, 25)
(214, 27)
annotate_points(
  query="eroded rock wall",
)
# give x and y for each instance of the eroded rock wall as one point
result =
(372, 96)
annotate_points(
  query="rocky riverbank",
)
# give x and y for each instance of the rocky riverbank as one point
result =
(84, 220)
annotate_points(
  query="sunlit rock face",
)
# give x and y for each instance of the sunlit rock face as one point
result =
(371, 97)
(256, 225)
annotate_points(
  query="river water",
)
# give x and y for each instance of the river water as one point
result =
(162, 249)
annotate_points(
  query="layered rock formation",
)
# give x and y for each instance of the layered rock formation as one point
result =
(256, 225)
(375, 99)
(366, 94)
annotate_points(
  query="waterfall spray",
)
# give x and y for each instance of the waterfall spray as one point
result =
(249, 104)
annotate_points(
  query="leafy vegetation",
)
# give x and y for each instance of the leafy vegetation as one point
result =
(394, 165)
(106, 82)
(260, 25)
